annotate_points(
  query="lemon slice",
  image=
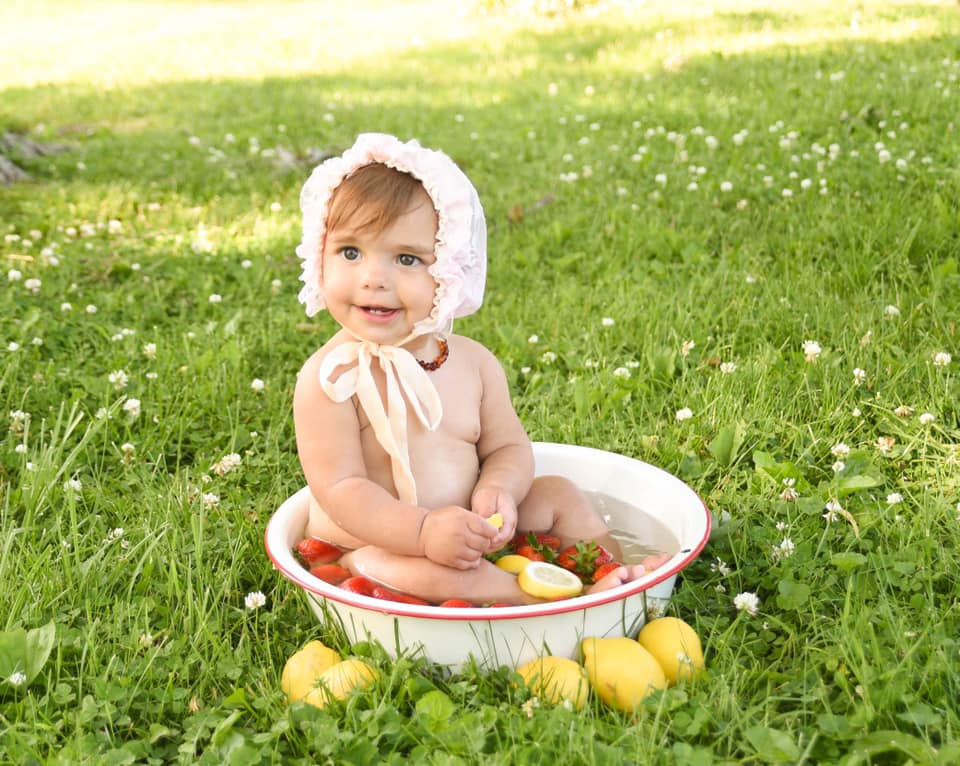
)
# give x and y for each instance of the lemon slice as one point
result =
(544, 580)
(513, 563)
(496, 520)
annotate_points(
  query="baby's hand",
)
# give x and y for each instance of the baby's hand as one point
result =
(455, 537)
(487, 501)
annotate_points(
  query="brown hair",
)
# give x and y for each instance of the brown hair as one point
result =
(372, 198)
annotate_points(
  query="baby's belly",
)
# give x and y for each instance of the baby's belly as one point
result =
(444, 476)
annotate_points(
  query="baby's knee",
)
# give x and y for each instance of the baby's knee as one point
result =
(555, 486)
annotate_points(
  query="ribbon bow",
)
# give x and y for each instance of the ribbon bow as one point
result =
(404, 377)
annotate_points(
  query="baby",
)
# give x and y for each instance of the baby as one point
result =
(406, 432)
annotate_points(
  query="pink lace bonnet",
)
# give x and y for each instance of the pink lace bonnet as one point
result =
(461, 248)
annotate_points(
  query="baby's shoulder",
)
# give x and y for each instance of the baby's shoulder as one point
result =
(311, 367)
(471, 350)
(469, 346)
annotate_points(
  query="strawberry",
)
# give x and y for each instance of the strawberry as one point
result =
(359, 585)
(548, 541)
(331, 573)
(584, 557)
(498, 604)
(453, 603)
(604, 569)
(530, 552)
(315, 551)
(391, 595)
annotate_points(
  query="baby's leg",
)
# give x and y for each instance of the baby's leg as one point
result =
(558, 506)
(486, 584)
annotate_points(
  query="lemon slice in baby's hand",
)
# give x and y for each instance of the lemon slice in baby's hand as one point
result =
(544, 580)
(512, 563)
(496, 520)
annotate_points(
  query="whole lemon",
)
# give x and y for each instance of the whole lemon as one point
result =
(555, 679)
(621, 671)
(304, 667)
(675, 645)
(338, 681)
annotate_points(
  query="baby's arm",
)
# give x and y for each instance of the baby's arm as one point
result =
(328, 443)
(506, 456)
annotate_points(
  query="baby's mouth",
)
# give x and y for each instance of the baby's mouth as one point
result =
(379, 310)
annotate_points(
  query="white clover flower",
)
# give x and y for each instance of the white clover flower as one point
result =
(114, 226)
(257, 385)
(686, 347)
(726, 186)
(742, 204)
(832, 508)
(840, 450)
(885, 443)
(884, 156)
(275, 207)
(859, 376)
(926, 418)
(533, 339)
(210, 500)
(838, 466)
(146, 640)
(73, 485)
(215, 298)
(660, 179)
(942, 359)
(811, 350)
(132, 407)
(226, 464)
(684, 413)
(33, 285)
(607, 322)
(789, 493)
(621, 372)
(14, 275)
(894, 498)
(786, 548)
(118, 379)
(17, 678)
(127, 448)
(246, 263)
(747, 602)
(66, 307)
(254, 600)
(13, 346)
(548, 357)
(781, 526)
(728, 368)
(903, 411)
(90, 308)
(721, 567)
(150, 350)
(20, 448)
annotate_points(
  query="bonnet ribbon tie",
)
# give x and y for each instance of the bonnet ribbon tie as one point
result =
(404, 377)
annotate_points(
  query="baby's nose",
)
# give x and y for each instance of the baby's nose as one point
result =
(374, 273)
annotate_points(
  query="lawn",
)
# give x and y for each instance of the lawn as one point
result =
(724, 240)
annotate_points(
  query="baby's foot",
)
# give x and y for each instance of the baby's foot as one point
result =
(625, 574)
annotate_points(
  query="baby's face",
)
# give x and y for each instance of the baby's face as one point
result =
(377, 284)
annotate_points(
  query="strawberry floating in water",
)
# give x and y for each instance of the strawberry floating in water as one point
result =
(330, 573)
(359, 585)
(315, 551)
(386, 594)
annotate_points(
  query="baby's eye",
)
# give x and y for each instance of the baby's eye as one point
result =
(406, 259)
(349, 253)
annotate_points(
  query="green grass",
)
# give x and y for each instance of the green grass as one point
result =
(853, 656)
